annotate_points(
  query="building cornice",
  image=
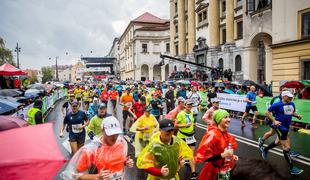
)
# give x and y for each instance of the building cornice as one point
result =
(290, 43)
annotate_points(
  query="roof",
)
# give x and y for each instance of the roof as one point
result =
(9, 70)
(149, 18)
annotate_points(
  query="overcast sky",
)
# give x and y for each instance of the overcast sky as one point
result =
(50, 28)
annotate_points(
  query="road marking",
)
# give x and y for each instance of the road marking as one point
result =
(300, 159)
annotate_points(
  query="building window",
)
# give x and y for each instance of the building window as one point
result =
(204, 15)
(223, 8)
(176, 7)
(239, 30)
(221, 63)
(167, 47)
(239, 3)
(251, 5)
(305, 70)
(305, 20)
(238, 64)
(223, 36)
(144, 48)
(200, 18)
(176, 28)
(176, 50)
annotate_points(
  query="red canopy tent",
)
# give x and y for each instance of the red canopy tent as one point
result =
(30, 153)
(9, 70)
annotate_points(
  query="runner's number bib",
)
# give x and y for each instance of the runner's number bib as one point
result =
(288, 110)
(190, 139)
(76, 128)
(116, 176)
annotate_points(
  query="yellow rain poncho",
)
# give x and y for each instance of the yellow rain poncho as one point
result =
(157, 154)
(144, 136)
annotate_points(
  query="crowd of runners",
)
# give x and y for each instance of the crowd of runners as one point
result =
(161, 120)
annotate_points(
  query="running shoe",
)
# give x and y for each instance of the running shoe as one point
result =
(260, 143)
(293, 153)
(264, 154)
(194, 176)
(296, 171)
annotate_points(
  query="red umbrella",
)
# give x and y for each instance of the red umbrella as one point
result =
(30, 153)
(9, 70)
(11, 122)
(195, 83)
(293, 84)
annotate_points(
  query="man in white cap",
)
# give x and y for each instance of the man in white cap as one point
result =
(103, 158)
(283, 112)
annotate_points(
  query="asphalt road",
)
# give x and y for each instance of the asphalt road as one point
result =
(246, 141)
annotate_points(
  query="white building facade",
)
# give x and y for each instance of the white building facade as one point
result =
(140, 46)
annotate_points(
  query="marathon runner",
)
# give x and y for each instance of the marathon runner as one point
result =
(75, 123)
(272, 132)
(126, 102)
(103, 158)
(156, 106)
(196, 100)
(207, 117)
(217, 149)
(78, 93)
(251, 105)
(94, 127)
(113, 97)
(283, 112)
(145, 127)
(67, 107)
(104, 95)
(170, 98)
(164, 155)
(93, 108)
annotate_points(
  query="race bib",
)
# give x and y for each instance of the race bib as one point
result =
(76, 128)
(116, 176)
(190, 139)
(223, 175)
(253, 103)
(288, 110)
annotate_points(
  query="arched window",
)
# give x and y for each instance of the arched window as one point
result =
(238, 64)
(221, 63)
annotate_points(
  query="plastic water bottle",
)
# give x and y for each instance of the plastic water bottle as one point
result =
(228, 158)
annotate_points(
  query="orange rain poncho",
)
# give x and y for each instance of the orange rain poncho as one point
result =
(214, 143)
(99, 156)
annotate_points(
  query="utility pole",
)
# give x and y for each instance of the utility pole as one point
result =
(57, 79)
(57, 69)
(17, 50)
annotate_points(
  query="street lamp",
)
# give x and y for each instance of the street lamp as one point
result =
(56, 68)
(17, 50)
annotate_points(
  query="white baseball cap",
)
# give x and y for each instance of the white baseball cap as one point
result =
(287, 93)
(111, 126)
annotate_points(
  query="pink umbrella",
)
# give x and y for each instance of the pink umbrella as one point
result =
(30, 153)
(10, 122)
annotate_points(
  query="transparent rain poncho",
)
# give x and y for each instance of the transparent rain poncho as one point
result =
(156, 154)
(97, 156)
